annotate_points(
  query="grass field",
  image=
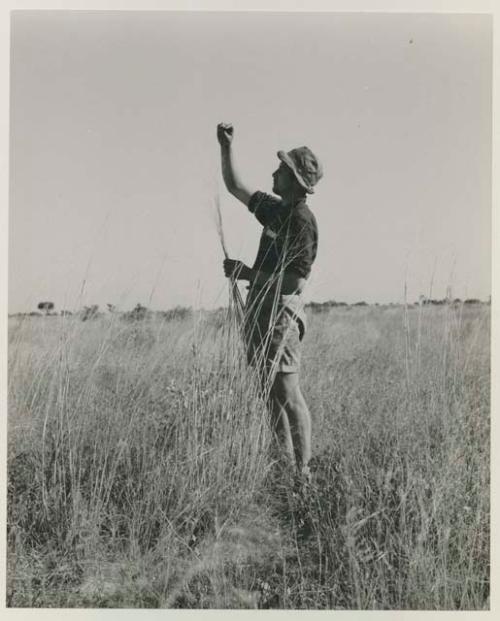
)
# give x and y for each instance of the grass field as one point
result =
(141, 474)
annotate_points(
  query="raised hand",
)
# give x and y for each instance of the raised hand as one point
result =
(225, 133)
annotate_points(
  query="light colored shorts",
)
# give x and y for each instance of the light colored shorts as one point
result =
(273, 339)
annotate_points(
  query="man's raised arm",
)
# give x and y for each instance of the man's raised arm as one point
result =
(231, 177)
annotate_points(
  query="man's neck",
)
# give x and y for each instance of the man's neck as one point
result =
(291, 200)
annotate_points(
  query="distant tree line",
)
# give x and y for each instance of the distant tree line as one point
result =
(318, 307)
(324, 306)
(141, 312)
(455, 302)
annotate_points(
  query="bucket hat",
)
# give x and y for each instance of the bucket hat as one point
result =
(305, 165)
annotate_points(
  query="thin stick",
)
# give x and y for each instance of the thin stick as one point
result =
(220, 227)
(237, 299)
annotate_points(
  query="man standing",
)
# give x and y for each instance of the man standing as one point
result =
(274, 317)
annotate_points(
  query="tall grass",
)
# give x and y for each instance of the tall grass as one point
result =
(141, 471)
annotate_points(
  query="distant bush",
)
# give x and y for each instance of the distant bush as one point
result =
(89, 312)
(46, 306)
(138, 313)
(472, 301)
(179, 312)
(428, 301)
(318, 307)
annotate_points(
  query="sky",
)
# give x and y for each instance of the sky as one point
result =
(115, 166)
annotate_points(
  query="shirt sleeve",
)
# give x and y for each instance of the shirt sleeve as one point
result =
(301, 246)
(263, 206)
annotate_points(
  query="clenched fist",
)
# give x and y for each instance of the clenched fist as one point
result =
(236, 270)
(225, 133)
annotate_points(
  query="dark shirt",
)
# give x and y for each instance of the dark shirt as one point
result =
(289, 240)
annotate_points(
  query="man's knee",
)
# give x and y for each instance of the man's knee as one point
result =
(285, 388)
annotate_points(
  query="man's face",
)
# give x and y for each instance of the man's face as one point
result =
(282, 179)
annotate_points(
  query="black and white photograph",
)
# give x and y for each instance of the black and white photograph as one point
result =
(249, 310)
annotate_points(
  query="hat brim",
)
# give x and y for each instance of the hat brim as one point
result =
(286, 159)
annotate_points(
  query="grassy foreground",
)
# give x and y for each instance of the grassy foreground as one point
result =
(141, 474)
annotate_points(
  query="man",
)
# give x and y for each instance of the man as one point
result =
(274, 317)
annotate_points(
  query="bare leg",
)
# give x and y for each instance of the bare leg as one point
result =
(287, 393)
(281, 428)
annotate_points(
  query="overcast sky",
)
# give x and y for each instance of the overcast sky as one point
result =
(115, 164)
